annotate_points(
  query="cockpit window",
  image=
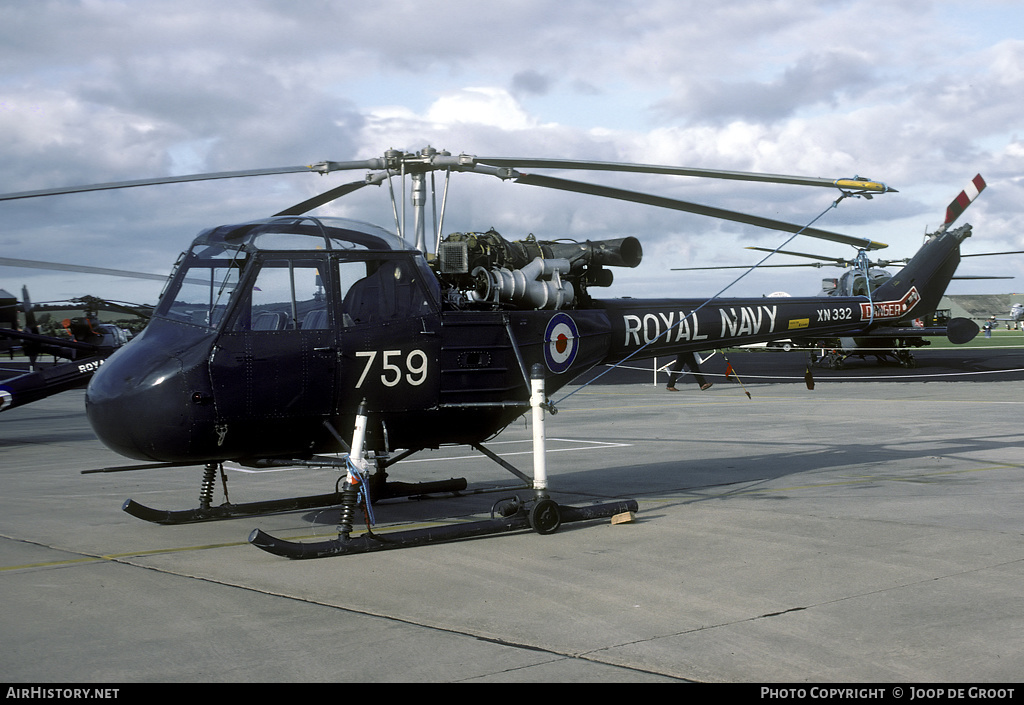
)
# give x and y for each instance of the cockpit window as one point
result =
(204, 282)
(288, 294)
(380, 291)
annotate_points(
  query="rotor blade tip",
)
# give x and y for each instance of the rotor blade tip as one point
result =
(859, 184)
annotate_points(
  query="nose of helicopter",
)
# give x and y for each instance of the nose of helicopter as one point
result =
(137, 403)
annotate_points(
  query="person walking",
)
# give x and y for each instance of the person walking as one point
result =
(691, 362)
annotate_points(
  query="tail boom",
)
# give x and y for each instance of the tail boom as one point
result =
(649, 327)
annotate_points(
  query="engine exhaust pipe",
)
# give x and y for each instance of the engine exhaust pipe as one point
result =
(624, 252)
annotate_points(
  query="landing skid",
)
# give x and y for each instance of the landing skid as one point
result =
(228, 511)
(207, 511)
(544, 517)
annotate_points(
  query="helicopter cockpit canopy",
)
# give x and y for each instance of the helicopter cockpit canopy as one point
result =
(207, 276)
(305, 233)
(853, 283)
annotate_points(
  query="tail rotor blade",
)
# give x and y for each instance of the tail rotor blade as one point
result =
(959, 204)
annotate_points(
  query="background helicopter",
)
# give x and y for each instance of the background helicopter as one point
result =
(1015, 317)
(277, 336)
(862, 277)
(86, 343)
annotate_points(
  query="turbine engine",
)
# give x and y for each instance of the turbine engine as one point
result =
(530, 273)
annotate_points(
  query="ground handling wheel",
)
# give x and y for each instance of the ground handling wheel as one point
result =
(544, 516)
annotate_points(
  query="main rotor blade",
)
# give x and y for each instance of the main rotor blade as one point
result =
(711, 212)
(856, 183)
(989, 254)
(30, 316)
(319, 168)
(838, 261)
(748, 266)
(34, 264)
(325, 197)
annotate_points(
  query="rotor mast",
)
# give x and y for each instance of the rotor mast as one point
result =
(416, 166)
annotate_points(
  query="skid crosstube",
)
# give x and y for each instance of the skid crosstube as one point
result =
(367, 543)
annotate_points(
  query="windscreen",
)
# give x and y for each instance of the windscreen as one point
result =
(202, 287)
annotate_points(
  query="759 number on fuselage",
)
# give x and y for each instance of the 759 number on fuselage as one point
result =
(394, 367)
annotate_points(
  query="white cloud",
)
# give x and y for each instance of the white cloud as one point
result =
(918, 94)
(493, 107)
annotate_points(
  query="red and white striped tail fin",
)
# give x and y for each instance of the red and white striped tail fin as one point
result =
(960, 203)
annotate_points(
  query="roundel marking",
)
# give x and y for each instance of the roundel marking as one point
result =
(561, 343)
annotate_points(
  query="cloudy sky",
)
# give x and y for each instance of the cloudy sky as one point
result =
(919, 94)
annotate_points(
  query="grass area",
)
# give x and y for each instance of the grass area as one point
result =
(1000, 339)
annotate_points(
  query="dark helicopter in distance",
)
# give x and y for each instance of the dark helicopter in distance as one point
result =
(279, 339)
(86, 344)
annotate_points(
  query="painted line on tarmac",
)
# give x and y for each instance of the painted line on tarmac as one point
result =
(119, 557)
(577, 445)
(587, 445)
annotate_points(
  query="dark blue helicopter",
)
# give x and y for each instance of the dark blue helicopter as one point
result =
(279, 340)
(87, 343)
